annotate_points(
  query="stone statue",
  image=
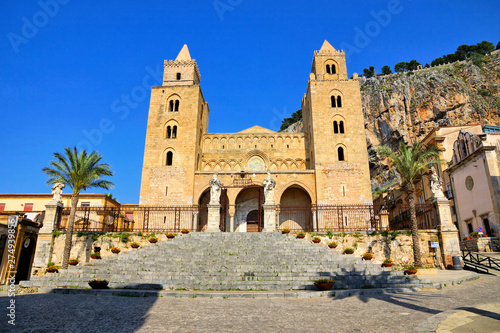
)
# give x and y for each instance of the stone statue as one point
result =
(215, 190)
(436, 184)
(269, 184)
(39, 218)
(57, 192)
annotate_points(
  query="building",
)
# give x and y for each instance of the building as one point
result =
(475, 178)
(326, 164)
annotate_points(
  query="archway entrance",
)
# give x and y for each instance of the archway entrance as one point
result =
(203, 213)
(295, 209)
(25, 259)
(249, 215)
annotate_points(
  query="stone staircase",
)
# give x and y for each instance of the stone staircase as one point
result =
(229, 261)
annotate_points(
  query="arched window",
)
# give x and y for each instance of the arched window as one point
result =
(335, 127)
(169, 132)
(334, 70)
(341, 127)
(174, 132)
(170, 158)
(334, 104)
(171, 108)
(328, 69)
(176, 108)
(339, 101)
(340, 152)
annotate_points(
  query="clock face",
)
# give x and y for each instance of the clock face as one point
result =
(27, 242)
(469, 183)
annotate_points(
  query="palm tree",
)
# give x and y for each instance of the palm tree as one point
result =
(409, 163)
(79, 171)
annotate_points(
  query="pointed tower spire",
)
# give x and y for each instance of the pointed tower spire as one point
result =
(327, 47)
(184, 54)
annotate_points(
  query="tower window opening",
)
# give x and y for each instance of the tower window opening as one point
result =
(334, 103)
(174, 132)
(223, 147)
(166, 190)
(272, 146)
(339, 102)
(178, 76)
(335, 127)
(288, 146)
(328, 69)
(334, 70)
(239, 146)
(255, 146)
(170, 157)
(341, 127)
(169, 132)
(176, 109)
(340, 152)
(171, 104)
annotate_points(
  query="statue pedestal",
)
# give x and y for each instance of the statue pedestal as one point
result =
(213, 219)
(44, 242)
(449, 239)
(269, 218)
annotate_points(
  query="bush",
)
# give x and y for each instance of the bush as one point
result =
(125, 237)
(484, 92)
(329, 234)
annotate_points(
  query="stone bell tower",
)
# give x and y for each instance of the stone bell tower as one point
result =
(178, 116)
(333, 118)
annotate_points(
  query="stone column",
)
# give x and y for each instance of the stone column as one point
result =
(213, 218)
(384, 219)
(269, 218)
(315, 219)
(195, 220)
(43, 252)
(231, 218)
(449, 239)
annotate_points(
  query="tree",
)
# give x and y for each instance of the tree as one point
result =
(400, 67)
(412, 65)
(409, 163)
(369, 72)
(296, 116)
(386, 70)
(498, 46)
(484, 47)
(79, 171)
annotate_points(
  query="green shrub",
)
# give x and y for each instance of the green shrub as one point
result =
(395, 233)
(125, 237)
(329, 234)
(484, 92)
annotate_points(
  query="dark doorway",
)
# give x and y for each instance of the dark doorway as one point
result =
(25, 259)
(253, 221)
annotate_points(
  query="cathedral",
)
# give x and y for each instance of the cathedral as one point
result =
(325, 165)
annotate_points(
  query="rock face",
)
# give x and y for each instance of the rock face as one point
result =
(407, 106)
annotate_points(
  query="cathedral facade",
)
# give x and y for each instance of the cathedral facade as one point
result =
(324, 165)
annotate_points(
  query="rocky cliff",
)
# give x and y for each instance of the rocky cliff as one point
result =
(407, 106)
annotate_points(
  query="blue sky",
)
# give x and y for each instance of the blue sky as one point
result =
(79, 73)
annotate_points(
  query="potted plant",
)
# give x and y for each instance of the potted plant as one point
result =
(410, 270)
(134, 245)
(349, 250)
(52, 268)
(170, 235)
(185, 231)
(115, 250)
(367, 256)
(316, 240)
(301, 235)
(95, 255)
(153, 239)
(285, 231)
(73, 262)
(324, 284)
(387, 263)
(98, 284)
(332, 245)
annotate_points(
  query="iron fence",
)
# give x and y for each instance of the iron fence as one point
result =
(426, 217)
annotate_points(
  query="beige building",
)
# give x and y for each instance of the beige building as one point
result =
(475, 177)
(327, 164)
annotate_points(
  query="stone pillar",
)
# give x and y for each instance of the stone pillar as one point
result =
(269, 218)
(384, 219)
(231, 218)
(195, 221)
(448, 233)
(213, 218)
(43, 252)
(315, 219)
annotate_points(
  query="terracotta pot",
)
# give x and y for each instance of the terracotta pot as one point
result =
(51, 269)
(348, 252)
(95, 257)
(285, 232)
(153, 240)
(135, 246)
(116, 251)
(410, 271)
(185, 232)
(332, 246)
(367, 258)
(170, 236)
(324, 286)
(73, 263)
(316, 241)
(385, 264)
(301, 236)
